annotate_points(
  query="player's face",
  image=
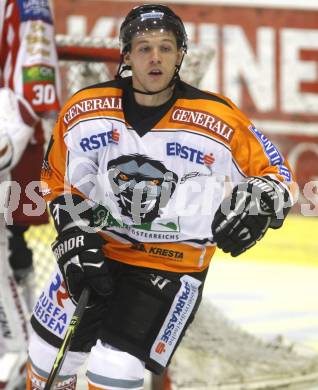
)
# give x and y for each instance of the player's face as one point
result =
(153, 58)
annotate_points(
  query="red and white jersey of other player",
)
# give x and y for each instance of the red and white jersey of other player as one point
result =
(28, 56)
(29, 66)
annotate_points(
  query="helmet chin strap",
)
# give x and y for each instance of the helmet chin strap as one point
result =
(172, 82)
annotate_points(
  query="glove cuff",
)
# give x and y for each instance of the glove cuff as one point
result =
(274, 198)
(69, 210)
(74, 241)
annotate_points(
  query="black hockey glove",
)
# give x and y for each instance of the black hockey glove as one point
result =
(244, 217)
(78, 248)
(82, 263)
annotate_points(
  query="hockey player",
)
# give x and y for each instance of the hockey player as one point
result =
(28, 91)
(145, 176)
(28, 66)
(17, 126)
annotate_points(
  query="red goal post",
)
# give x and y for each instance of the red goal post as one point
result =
(90, 54)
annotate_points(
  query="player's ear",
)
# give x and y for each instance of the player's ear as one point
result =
(179, 56)
(127, 60)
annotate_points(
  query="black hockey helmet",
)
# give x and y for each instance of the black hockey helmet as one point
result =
(151, 17)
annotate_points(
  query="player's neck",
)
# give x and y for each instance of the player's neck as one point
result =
(153, 100)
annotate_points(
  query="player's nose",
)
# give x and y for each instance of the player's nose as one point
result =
(155, 56)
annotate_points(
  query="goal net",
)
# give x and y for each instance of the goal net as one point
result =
(215, 353)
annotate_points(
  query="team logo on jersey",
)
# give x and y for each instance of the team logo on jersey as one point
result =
(142, 186)
(155, 230)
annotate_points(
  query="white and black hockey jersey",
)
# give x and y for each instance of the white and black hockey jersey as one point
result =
(156, 175)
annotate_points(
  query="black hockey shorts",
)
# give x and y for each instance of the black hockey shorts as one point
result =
(150, 311)
(146, 315)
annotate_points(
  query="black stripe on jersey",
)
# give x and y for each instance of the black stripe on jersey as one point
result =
(200, 242)
(122, 235)
(68, 165)
(45, 334)
(144, 118)
(183, 90)
(186, 91)
(238, 168)
(134, 241)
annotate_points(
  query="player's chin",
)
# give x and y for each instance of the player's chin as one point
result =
(157, 82)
